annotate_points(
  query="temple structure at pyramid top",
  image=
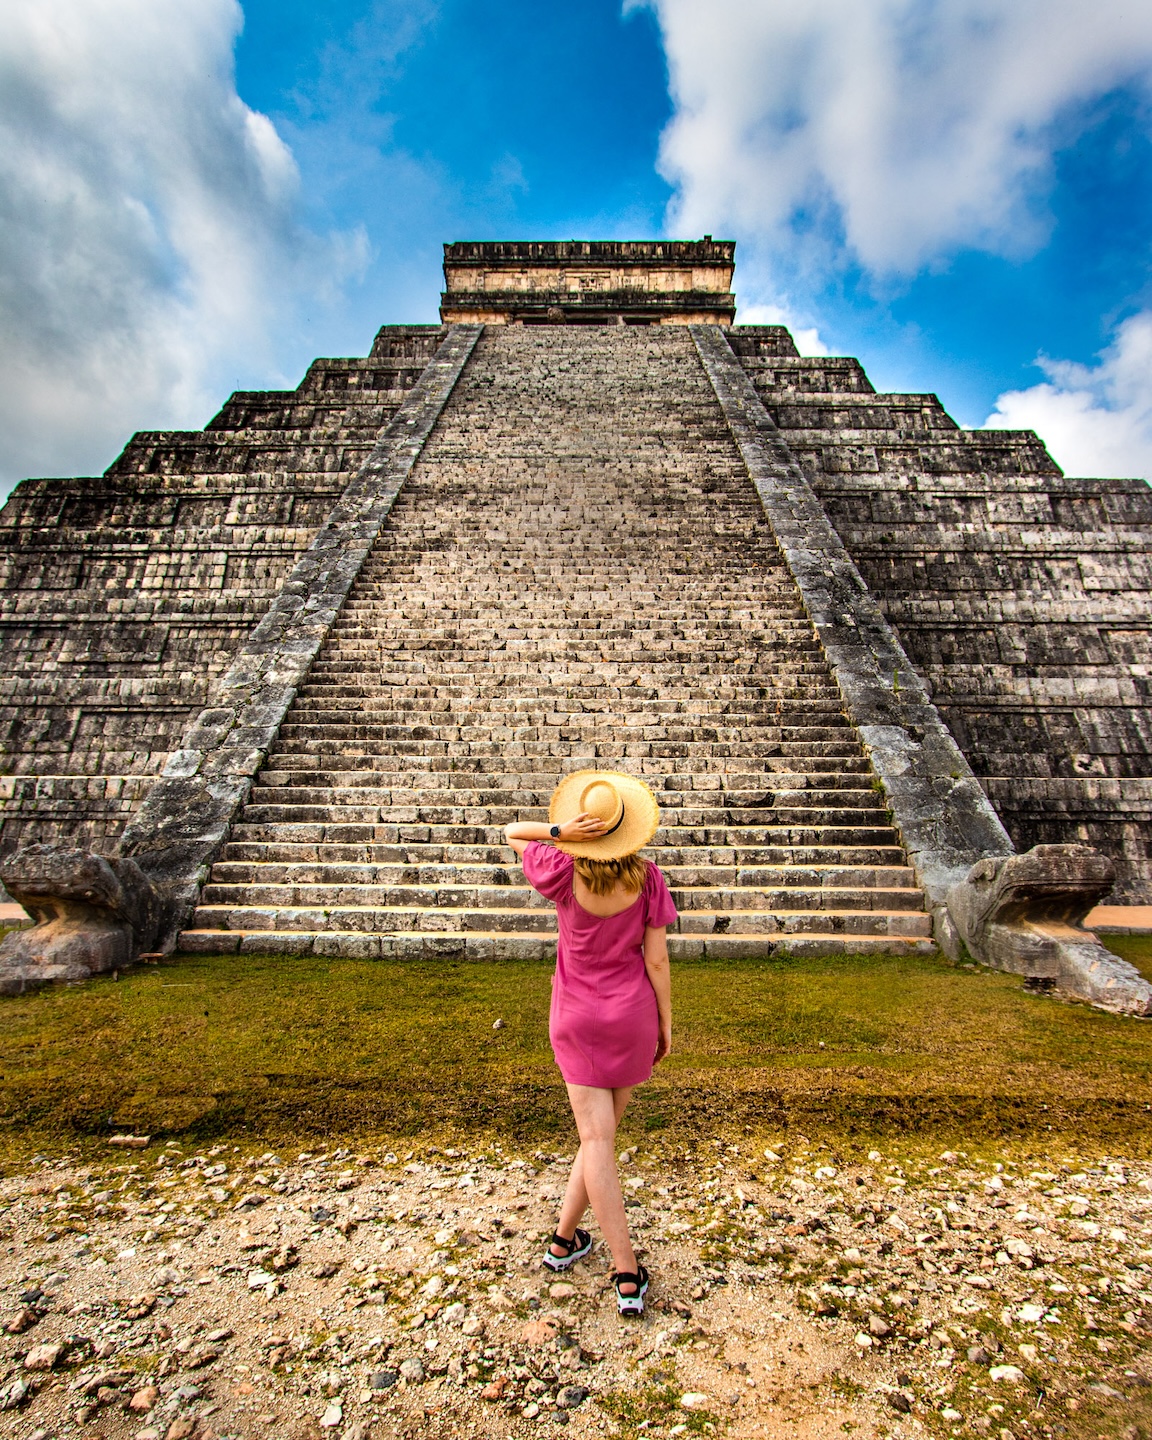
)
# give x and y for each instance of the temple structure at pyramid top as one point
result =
(589, 282)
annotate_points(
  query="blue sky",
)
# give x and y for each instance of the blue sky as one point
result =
(527, 121)
(197, 195)
(460, 121)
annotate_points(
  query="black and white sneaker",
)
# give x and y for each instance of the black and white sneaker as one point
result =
(576, 1248)
(631, 1304)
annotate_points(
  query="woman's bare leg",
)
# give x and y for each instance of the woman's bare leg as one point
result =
(595, 1178)
(576, 1195)
(575, 1203)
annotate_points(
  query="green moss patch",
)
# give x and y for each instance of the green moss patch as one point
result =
(1136, 949)
(210, 1047)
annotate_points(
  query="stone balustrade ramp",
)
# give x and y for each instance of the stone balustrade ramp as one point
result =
(577, 573)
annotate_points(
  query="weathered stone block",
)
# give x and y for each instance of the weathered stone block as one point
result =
(92, 915)
(1022, 913)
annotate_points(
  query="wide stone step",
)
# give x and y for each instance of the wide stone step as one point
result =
(452, 591)
(393, 774)
(501, 807)
(632, 691)
(381, 639)
(393, 722)
(398, 706)
(478, 946)
(414, 698)
(741, 837)
(381, 660)
(390, 707)
(390, 920)
(776, 862)
(684, 758)
(680, 694)
(736, 626)
(758, 673)
(436, 874)
(327, 731)
(725, 615)
(390, 727)
(455, 579)
(795, 810)
(513, 896)
(586, 729)
(703, 755)
(386, 640)
(447, 787)
(517, 684)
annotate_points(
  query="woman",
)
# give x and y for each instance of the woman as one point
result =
(611, 1018)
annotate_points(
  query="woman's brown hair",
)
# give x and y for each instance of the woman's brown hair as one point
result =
(602, 876)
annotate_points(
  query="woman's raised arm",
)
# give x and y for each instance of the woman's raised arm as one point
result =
(521, 832)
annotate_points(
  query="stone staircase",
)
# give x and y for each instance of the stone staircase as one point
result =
(578, 573)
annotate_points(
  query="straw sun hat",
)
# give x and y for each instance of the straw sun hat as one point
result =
(625, 804)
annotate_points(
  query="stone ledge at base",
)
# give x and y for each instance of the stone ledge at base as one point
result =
(92, 915)
(1023, 914)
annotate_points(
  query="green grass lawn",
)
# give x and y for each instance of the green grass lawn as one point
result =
(255, 1047)
(1136, 949)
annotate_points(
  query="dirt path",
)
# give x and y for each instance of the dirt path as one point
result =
(167, 1294)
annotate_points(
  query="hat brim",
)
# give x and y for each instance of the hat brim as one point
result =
(641, 815)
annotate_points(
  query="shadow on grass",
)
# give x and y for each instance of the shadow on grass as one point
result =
(209, 1047)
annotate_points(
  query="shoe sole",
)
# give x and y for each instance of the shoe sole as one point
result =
(632, 1304)
(560, 1263)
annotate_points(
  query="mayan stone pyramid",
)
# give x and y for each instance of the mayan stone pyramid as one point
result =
(277, 685)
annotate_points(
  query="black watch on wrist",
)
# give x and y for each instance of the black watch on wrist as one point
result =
(555, 832)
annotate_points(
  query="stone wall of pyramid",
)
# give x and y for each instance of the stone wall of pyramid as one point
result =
(1020, 595)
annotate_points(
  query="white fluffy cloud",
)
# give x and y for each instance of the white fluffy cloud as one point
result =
(146, 223)
(890, 130)
(1095, 420)
(893, 134)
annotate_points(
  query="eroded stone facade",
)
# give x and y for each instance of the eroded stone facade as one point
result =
(124, 597)
(621, 282)
(1021, 596)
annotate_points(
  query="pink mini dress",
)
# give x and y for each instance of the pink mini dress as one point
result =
(604, 1023)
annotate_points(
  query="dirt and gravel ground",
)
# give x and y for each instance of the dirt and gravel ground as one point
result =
(173, 1294)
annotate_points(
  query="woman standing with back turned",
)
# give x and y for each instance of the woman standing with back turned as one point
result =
(611, 1018)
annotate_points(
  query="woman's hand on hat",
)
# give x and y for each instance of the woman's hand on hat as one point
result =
(583, 827)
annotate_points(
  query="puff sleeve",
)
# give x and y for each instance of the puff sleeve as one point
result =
(659, 909)
(548, 870)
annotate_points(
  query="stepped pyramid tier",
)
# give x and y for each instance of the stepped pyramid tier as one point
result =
(558, 533)
(125, 597)
(1022, 597)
